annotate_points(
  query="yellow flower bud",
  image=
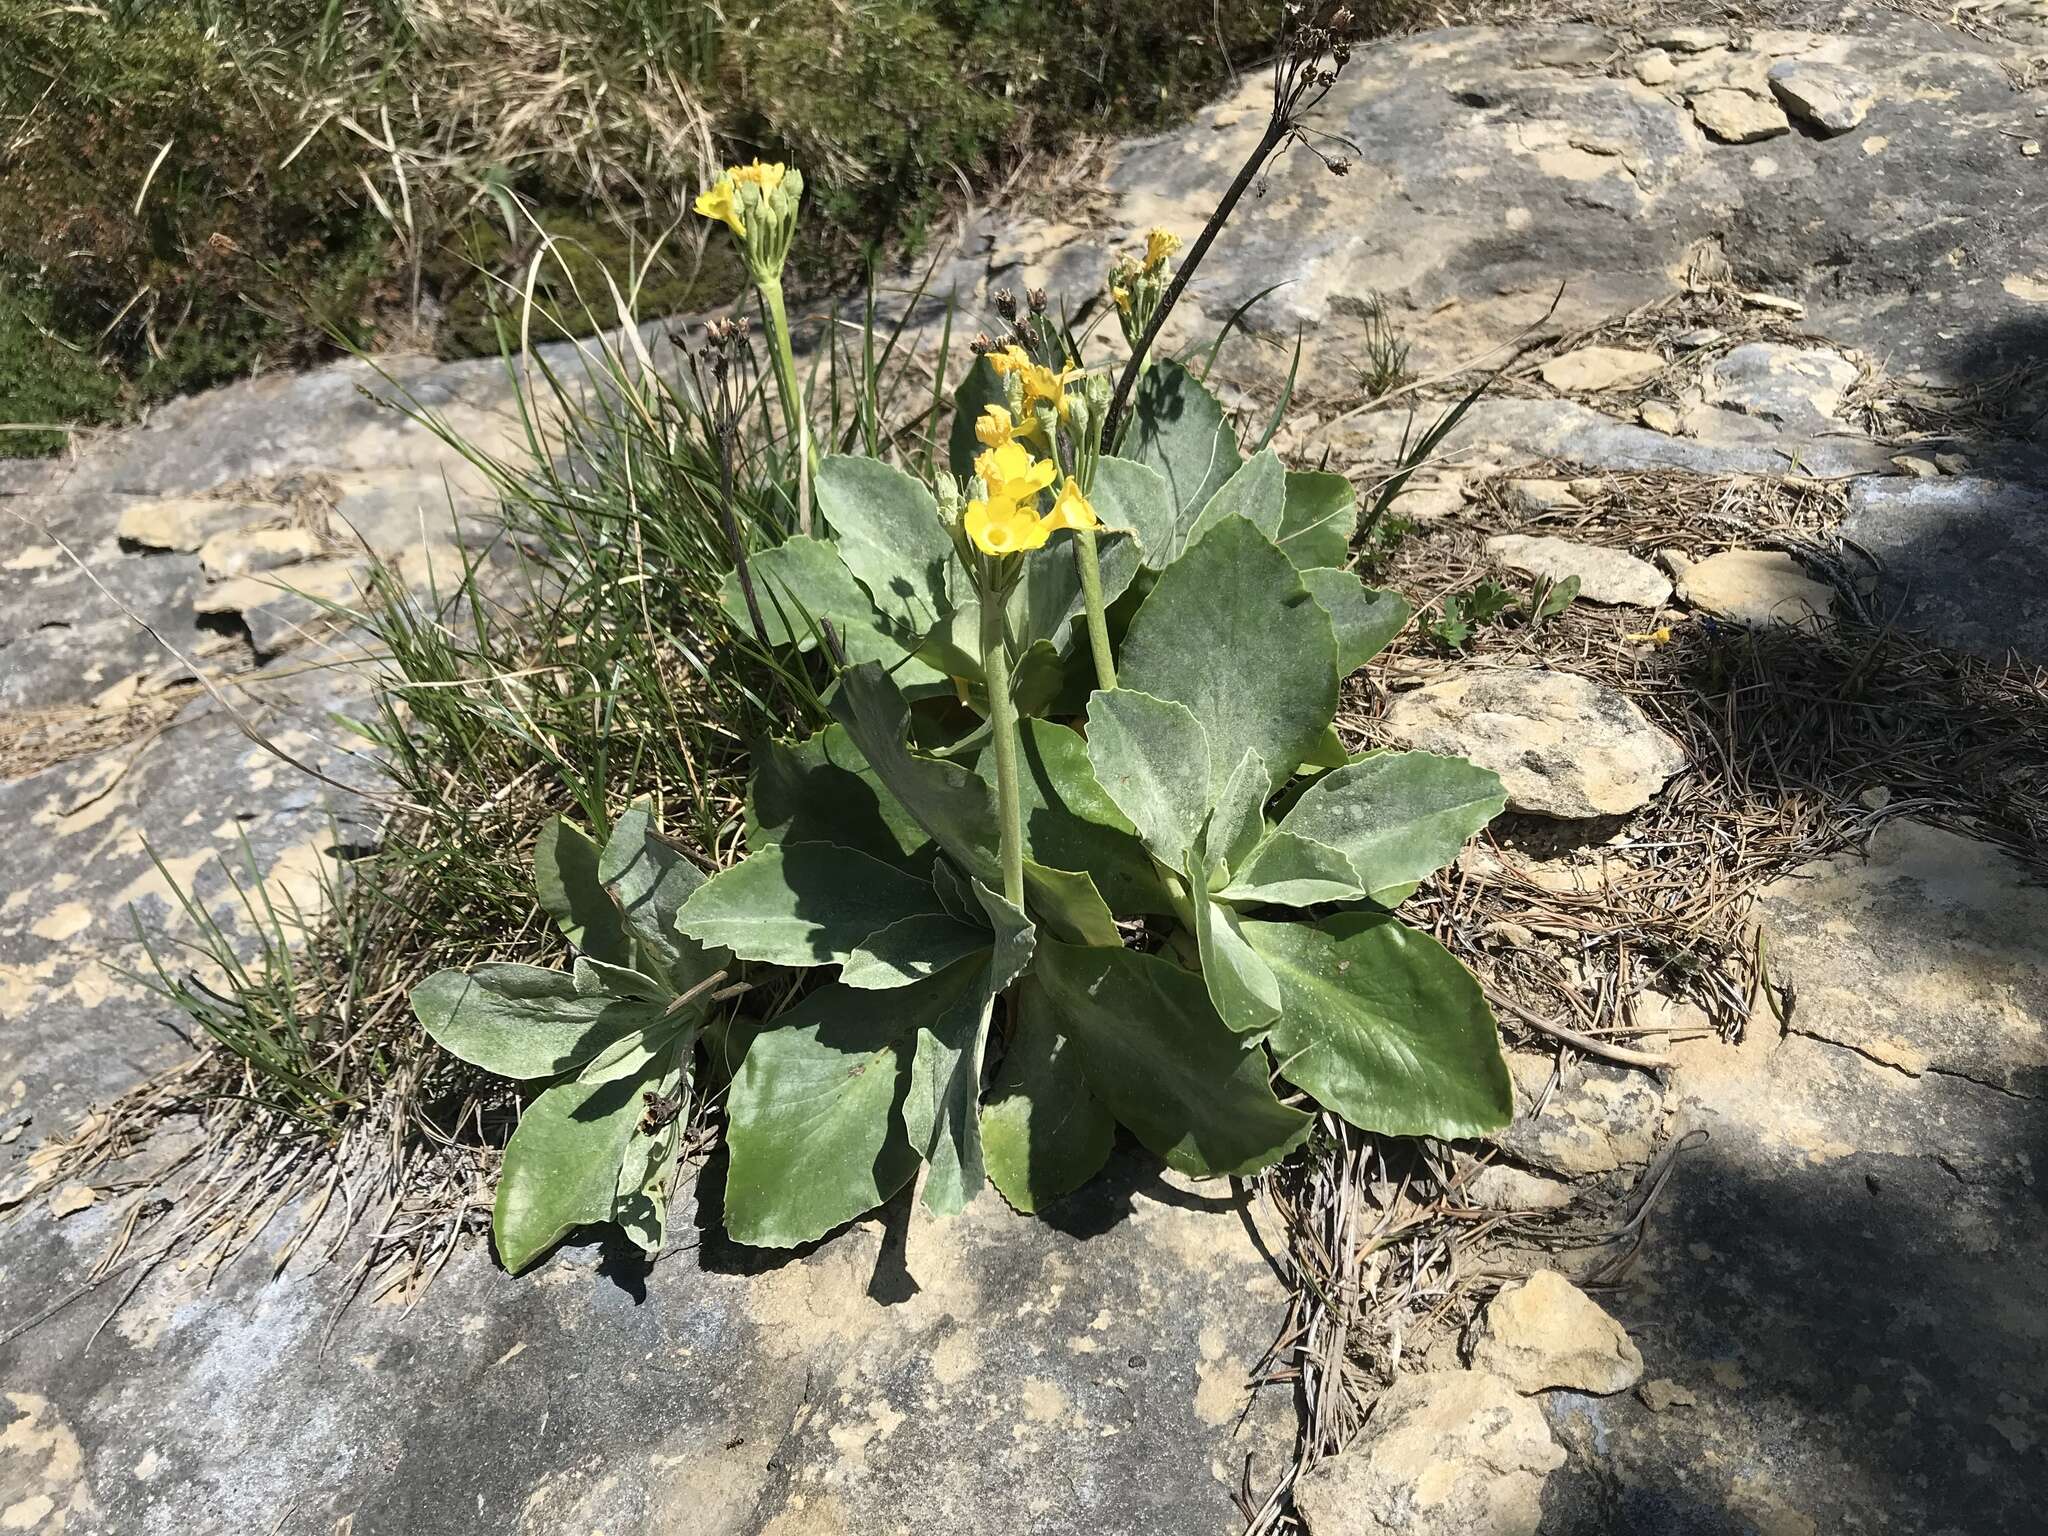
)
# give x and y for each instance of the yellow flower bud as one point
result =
(995, 426)
(1070, 509)
(1008, 361)
(766, 177)
(1159, 244)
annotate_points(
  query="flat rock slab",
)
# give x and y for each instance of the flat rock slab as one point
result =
(1756, 587)
(1563, 745)
(1963, 559)
(1595, 1119)
(1605, 575)
(1826, 97)
(1794, 388)
(991, 1374)
(1597, 368)
(1855, 938)
(1837, 1294)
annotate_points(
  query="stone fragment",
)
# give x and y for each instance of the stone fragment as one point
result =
(1952, 463)
(1545, 1334)
(1605, 575)
(1698, 337)
(1504, 1187)
(1737, 117)
(1827, 97)
(1595, 1120)
(1659, 416)
(1451, 1453)
(1663, 1395)
(183, 523)
(1595, 368)
(1541, 496)
(246, 551)
(1653, 66)
(1752, 586)
(1687, 39)
(1795, 388)
(1563, 745)
(1914, 465)
(1571, 45)
(1427, 500)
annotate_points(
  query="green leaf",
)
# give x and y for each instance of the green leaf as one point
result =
(562, 1165)
(821, 790)
(650, 878)
(594, 978)
(1070, 824)
(1238, 822)
(799, 582)
(640, 1208)
(1135, 497)
(1397, 816)
(813, 1129)
(1292, 871)
(1151, 758)
(911, 949)
(804, 904)
(1383, 1026)
(1230, 632)
(941, 1112)
(566, 882)
(947, 800)
(1256, 493)
(1156, 1054)
(1070, 905)
(980, 387)
(1246, 996)
(1043, 1132)
(1178, 429)
(1365, 618)
(523, 1021)
(1319, 518)
(886, 526)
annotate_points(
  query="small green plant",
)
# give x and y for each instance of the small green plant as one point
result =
(1386, 351)
(1461, 614)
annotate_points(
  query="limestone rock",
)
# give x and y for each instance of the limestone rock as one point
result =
(1563, 745)
(1738, 117)
(183, 523)
(1504, 1187)
(1596, 368)
(1752, 586)
(1828, 97)
(1605, 575)
(1571, 45)
(1545, 1333)
(1453, 1453)
(1427, 500)
(1659, 416)
(1653, 66)
(245, 551)
(1798, 388)
(1687, 39)
(1541, 496)
(1596, 1120)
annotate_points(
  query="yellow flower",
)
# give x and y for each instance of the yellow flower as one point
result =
(766, 177)
(1012, 474)
(995, 427)
(1009, 360)
(1122, 297)
(716, 202)
(1001, 527)
(1159, 244)
(1041, 383)
(1656, 637)
(1070, 509)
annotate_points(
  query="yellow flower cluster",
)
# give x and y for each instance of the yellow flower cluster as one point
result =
(721, 201)
(1040, 382)
(1006, 520)
(1159, 244)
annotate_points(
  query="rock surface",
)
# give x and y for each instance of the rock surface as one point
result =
(1797, 388)
(1738, 117)
(1753, 586)
(1596, 368)
(1455, 1453)
(1964, 559)
(1605, 575)
(1596, 1119)
(1828, 97)
(1544, 1333)
(1563, 745)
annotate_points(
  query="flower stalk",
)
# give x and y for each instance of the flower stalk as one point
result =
(1002, 718)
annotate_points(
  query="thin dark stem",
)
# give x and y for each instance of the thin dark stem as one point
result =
(1276, 131)
(732, 538)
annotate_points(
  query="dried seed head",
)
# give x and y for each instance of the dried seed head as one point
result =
(1005, 303)
(1035, 297)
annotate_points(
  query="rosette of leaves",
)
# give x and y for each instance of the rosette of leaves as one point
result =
(1208, 884)
(612, 1039)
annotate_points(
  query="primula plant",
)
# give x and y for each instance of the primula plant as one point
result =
(1078, 849)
